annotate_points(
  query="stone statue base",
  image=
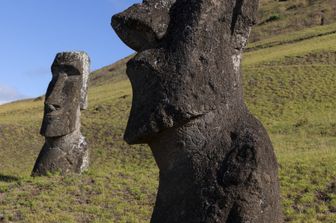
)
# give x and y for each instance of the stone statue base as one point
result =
(66, 154)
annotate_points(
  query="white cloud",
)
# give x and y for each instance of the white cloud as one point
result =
(8, 94)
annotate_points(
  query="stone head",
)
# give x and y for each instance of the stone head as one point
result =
(66, 94)
(188, 60)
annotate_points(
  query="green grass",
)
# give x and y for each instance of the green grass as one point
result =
(292, 37)
(323, 43)
(119, 187)
(292, 15)
(290, 87)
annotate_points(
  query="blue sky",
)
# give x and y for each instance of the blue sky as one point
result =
(33, 31)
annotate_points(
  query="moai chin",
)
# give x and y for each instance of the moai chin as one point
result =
(216, 160)
(65, 149)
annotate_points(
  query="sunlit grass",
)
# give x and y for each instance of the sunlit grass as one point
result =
(325, 43)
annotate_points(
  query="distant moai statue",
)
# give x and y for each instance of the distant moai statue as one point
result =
(65, 149)
(216, 160)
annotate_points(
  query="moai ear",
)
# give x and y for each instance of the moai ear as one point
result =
(243, 18)
(143, 25)
(85, 78)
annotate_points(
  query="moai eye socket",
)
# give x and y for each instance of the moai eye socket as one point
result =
(69, 70)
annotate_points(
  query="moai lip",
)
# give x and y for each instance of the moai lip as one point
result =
(65, 149)
(216, 161)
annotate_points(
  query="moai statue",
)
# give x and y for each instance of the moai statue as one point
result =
(216, 160)
(65, 149)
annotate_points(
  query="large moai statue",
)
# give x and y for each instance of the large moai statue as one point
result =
(216, 160)
(65, 149)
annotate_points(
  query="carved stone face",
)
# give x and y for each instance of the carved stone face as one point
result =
(190, 69)
(64, 95)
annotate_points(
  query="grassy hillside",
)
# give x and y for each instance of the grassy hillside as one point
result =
(290, 85)
(285, 16)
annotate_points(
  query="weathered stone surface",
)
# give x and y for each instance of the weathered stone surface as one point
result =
(65, 149)
(216, 160)
(142, 26)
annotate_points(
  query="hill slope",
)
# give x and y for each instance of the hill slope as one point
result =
(290, 84)
(285, 16)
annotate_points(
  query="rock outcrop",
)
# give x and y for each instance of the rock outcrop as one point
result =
(65, 149)
(216, 161)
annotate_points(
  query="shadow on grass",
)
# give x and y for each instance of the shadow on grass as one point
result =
(8, 179)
